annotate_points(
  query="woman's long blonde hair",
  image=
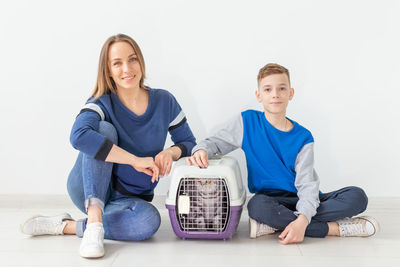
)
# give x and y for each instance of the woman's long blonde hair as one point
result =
(105, 84)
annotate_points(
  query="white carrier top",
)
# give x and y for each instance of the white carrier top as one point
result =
(226, 168)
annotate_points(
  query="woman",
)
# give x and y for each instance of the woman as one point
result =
(120, 133)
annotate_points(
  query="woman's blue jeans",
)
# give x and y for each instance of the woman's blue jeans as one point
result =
(124, 217)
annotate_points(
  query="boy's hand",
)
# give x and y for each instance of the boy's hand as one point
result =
(199, 159)
(294, 232)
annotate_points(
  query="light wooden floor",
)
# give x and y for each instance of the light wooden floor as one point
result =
(165, 249)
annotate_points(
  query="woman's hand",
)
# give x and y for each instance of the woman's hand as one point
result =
(164, 161)
(199, 159)
(165, 158)
(147, 166)
(294, 232)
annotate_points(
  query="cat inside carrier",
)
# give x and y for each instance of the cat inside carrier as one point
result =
(206, 202)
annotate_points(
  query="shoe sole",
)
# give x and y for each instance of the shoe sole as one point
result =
(91, 256)
(252, 230)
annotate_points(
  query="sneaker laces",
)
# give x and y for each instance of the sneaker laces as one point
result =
(352, 227)
(264, 228)
(94, 235)
(46, 227)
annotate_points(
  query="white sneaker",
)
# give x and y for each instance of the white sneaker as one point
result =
(45, 225)
(257, 229)
(358, 226)
(92, 241)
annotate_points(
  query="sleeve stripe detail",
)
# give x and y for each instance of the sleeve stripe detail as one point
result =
(177, 120)
(95, 108)
(177, 125)
(88, 110)
(183, 149)
(104, 150)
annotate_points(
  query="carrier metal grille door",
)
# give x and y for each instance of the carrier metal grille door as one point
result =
(202, 204)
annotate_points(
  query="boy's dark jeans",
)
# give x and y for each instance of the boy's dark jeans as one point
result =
(277, 209)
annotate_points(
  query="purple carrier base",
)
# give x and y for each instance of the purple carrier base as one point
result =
(233, 222)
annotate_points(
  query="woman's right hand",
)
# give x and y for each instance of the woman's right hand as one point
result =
(199, 159)
(147, 166)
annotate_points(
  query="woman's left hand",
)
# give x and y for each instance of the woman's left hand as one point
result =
(165, 158)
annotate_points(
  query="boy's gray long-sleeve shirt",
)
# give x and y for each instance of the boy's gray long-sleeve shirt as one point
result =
(230, 138)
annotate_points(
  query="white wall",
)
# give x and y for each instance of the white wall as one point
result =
(343, 56)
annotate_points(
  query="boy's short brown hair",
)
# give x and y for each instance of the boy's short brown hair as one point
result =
(270, 69)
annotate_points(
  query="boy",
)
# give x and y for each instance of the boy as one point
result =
(280, 159)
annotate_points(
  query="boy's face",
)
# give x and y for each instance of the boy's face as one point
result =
(274, 93)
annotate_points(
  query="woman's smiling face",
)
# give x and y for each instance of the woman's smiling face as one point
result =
(124, 66)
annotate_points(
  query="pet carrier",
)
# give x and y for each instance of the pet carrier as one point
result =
(206, 202)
